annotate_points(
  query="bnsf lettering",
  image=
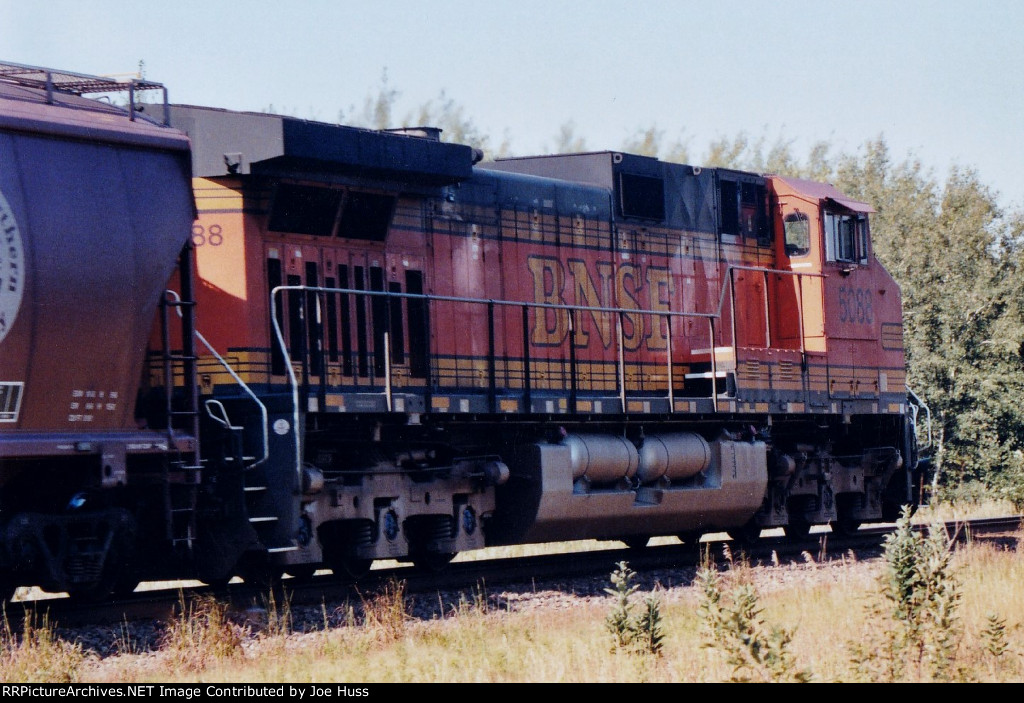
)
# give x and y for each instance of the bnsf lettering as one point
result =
(550, 326)
(577, 282)
(586, 293)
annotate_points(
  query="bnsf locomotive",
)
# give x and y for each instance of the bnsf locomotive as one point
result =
(273, 346)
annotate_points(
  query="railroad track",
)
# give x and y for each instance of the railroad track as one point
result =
(553, 571)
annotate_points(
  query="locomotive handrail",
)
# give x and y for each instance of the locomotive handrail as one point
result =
(238, 379)
(710, 317)
(524, 305)
(492, 301)
(916, 406)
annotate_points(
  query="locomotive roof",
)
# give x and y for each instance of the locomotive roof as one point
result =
(227, 142)
(813, 190)
(691, 205)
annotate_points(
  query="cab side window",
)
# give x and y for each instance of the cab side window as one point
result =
(846, 237)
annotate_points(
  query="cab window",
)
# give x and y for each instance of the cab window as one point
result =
(846, 237)
(798, 234)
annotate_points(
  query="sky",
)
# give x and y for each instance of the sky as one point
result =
(941, 81)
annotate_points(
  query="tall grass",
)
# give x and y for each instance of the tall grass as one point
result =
(201, 635)
(36, 652)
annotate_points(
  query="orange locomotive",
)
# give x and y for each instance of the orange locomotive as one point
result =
(423, 354)
(369, 345)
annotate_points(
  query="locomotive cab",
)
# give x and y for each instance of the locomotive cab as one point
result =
(850, 330)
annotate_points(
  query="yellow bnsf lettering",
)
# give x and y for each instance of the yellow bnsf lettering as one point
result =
(586, 293)
(550, 327)
(659, 285)
(627, 288)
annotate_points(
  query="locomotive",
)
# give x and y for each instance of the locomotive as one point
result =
(244, 344)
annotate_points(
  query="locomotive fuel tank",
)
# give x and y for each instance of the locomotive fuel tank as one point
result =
(703, 486)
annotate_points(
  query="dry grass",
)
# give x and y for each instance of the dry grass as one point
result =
(964, 508)
(36, 653)
(557, 637)
(824, 606)
(201, 636)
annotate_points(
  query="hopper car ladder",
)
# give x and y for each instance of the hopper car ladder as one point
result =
(183, 475)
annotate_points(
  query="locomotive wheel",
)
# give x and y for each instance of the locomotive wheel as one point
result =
(845, 526)
(798, 528)
(258, 574)
(93, 592)
(636, 541)
(846, 523)
(747, 534)
(218, 584)
(691, 539)
(301, 573)
(432, 562)
(7, 591)
(126, 586)
(350, 568)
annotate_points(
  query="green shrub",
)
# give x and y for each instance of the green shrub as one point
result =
(642, 632)
(732, 624)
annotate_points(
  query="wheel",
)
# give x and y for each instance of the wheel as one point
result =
(798, 528)
(218, 584)
(690, 538)
(636, 541)
(847, 506)
(258, 574)
(7, 591)
(350, 568)
(126, 586)
(845, 526)
(432, 562)
(746, 534)
(301, 573)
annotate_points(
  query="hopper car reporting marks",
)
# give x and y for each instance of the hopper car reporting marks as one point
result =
(274, 345)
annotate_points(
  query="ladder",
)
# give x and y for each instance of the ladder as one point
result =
(182, 476)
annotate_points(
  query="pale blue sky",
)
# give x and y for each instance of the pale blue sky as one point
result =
(943, 81)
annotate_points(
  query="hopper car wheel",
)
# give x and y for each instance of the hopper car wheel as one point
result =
(432, 562)
(636, 541)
